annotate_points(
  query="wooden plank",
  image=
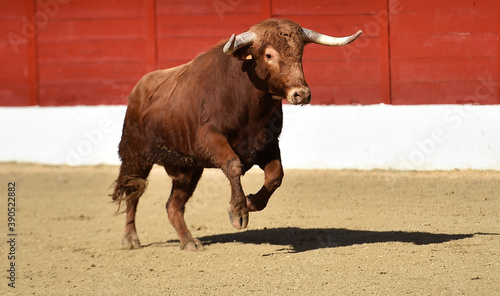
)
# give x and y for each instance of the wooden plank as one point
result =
(12, 10)
(203, 26)
(322, 7)
(449, 45)
(15, 26)
(319, 72)
(93, 9)
(14, 95)
(345, 94)
(454, 92)
(450, 69)
(220, 8)
(444, 22)
(432, 5)
(341, 83)
(14, 73)
(97, 51)
(93, 93)
(55, 74)
(100, 29)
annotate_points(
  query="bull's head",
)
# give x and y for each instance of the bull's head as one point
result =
(276, 47)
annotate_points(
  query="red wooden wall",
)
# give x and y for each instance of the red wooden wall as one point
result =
(187, 28)
(355, 74)
(444, 51)
(90, 52)
(18, 75)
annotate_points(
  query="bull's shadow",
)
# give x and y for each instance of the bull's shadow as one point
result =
(296, 240)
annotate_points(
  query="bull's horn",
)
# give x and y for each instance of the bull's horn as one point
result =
(239, 41)
(315, 37)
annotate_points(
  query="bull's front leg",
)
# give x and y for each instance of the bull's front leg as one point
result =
(238, 211)
(273, 172)
(224, 157)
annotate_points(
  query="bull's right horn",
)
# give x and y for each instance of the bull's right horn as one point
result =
(315, 37)
(239, 41)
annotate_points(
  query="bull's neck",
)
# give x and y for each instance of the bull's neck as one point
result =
(231, 85)
(247, 82)
(234, 82)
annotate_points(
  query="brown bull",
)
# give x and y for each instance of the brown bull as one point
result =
(221, 110)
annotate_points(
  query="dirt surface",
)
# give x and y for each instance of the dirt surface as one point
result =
(322, 233)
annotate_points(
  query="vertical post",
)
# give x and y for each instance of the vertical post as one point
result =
(151, 38)
(266, 9)
(384, 58)
(32, 56)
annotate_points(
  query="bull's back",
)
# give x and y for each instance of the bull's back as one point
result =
(154, 87)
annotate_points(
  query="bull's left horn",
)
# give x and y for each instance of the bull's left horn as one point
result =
(315, 37)
(239, 41)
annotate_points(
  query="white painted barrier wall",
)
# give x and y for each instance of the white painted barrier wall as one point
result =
(442, 137)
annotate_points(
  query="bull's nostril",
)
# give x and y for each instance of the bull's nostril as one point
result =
(299, 96)
(302, 96)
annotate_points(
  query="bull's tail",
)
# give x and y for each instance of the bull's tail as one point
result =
(128, 189)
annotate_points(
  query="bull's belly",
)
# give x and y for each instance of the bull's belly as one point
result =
(167, 156)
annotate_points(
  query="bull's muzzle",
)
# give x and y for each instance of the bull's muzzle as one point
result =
(299, 96)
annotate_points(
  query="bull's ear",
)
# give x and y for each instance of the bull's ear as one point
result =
(244, 53)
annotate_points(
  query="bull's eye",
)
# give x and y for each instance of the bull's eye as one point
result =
(271, 56)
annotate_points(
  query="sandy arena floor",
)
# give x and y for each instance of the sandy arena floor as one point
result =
(322, 233)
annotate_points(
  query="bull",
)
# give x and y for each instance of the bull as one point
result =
(221, 110)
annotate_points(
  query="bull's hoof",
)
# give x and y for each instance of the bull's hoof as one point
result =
(130, 244)
(239, 221)
(254, 203)
(194, 245)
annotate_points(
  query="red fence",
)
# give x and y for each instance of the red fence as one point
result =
(89, 52)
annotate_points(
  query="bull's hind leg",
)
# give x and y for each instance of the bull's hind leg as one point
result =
(130, 185)
(184, 181)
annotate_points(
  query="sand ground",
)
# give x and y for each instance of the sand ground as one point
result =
(322, 233)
